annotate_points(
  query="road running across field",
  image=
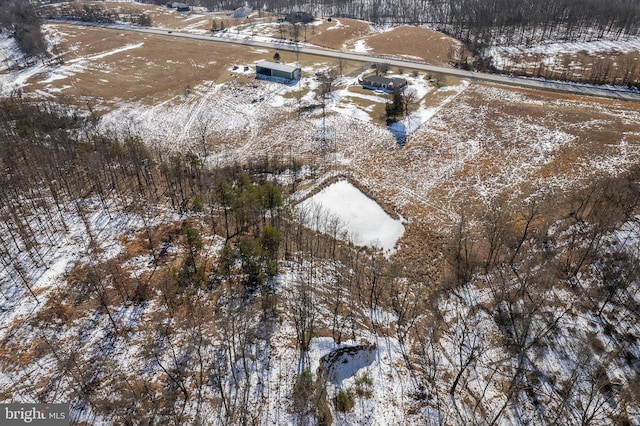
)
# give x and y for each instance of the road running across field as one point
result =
(557, 86)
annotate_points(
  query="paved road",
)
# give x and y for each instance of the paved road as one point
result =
(476, 76)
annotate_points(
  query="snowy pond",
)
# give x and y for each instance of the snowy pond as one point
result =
(343, 210)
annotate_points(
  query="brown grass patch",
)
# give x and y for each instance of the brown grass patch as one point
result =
(376, 110)
(336, 33)
(518, 155)
(133, 245)
(322, 332)
(36, 349)
(437, 97)
(431, 46)
(163, 67)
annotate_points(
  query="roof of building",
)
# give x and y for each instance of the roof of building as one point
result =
(243, 10)
(277, 66)
(299, 16)
(384, 80)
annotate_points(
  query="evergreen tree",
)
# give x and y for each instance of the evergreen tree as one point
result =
(396, 107)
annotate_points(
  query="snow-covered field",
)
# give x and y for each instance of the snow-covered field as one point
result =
(461, 136)
(10, 55)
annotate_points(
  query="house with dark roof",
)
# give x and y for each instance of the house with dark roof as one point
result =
(374, 82)
(180, 7)
(273, 69)
(299, 17)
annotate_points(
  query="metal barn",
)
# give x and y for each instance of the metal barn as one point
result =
(273, 69)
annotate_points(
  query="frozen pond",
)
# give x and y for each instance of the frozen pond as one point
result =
(342, 210)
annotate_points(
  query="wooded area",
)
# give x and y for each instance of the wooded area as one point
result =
(541, 266)
(20, 19)
(95, 13)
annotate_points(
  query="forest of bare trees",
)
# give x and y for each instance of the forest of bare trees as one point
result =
(94, 13)
(21, 21)
(507, 291)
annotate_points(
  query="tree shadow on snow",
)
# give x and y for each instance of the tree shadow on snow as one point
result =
(345, 362)
(399, 132)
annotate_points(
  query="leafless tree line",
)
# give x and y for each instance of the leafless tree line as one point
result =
(539, 271)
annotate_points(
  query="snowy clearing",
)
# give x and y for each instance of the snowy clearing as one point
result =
(363, 220)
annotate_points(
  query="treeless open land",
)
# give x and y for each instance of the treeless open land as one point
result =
(409, 42)
(413, 43)
(492, 142)
(335, 34)
(112, 65)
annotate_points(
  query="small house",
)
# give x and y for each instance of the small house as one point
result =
(181, 7)
(385, 83)
(242, 12)
(299, 17)
(272, 69)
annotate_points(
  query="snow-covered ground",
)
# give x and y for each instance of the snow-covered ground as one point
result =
(383, 369)
(461, 139)
(12, 61)
(553, 49)
(362, 220)
(559, 56)
(10, 55)
(361, 47)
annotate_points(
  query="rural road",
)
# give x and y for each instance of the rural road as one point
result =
(401, 63)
